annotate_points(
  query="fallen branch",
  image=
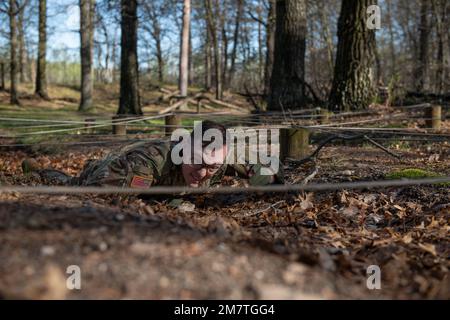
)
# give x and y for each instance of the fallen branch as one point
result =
(224, 104)
(180, 103)
(169, 95)
(204, 105)
(272, 206)
(376, 144)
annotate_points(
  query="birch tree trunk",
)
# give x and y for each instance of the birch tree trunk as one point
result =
(184, 50)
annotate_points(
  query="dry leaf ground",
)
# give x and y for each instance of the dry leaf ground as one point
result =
(298, 246)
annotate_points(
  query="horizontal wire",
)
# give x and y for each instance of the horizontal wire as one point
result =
(224, 190)
(82, 128)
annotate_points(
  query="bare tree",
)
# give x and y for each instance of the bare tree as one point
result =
(212, 26)
(270, 44)
(353, 73)
(326, 34)
(441, 8)
(2, 75)
(87, 14)
(184, 50)
(41, 70)
(391, 36)
(12, 13)
(238, 19)
(287, 83)
(208, 57)
(22, 47)
(421, 70)
(129, 73)
(154, 12)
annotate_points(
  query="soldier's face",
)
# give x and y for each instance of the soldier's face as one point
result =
(196, 174)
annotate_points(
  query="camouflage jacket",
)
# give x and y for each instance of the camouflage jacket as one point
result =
(146, 164)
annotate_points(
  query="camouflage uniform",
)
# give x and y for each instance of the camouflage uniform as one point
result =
(146, 164)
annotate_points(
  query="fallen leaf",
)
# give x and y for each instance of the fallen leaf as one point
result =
(428, 247)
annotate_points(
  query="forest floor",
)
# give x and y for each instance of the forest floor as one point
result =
(241, 246)
(297, 246)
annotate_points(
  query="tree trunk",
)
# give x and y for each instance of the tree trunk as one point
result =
(391, 38)
(326, 34)
(191, 60)
(22, 48)
(86, 52)
(239, 10)
(421, 71)
(114, 58)
(160, 58)
(184, 49)
(13, 52)
(41, 70)
(379, 68)
(2, 75)
(287, 84)
(212, 25)
(224, 45)
(129, 72)
(353, 72)
(270, 43)
(208, 59)
(440, 12)
(260, 51)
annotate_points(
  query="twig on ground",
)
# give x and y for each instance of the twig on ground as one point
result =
(272, 206)
(376, 144)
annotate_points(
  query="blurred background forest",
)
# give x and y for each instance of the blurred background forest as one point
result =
(411, 52)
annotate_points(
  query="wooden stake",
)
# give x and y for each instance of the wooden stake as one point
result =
(172, 122)
(88, 124)
(433, 116)
(118, 128)
(324, 116)
(294, 143)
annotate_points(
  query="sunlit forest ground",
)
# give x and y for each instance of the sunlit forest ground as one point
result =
(292, 246)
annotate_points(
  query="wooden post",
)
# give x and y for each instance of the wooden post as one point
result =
(294, 143)
(172, 122)
(88, 124)
(433, 115)
(119, 129)
(324, 116)
(199, 105)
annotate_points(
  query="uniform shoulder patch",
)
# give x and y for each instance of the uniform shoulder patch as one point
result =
(141, 182)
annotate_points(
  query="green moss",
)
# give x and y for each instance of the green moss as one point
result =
(414, 173)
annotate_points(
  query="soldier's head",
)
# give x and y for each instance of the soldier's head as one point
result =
(208, 153)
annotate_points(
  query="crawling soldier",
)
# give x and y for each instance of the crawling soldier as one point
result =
(145, 164)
